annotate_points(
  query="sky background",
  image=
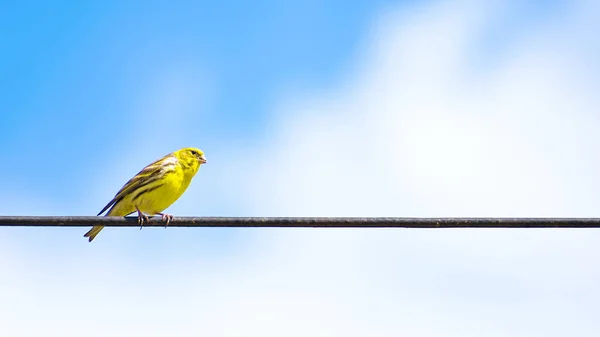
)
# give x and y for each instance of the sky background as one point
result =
(312, 108)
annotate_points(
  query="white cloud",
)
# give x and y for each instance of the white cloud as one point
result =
(422, 132)
(416, 131)
(419, 127)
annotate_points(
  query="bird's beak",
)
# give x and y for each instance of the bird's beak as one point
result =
(202, 160)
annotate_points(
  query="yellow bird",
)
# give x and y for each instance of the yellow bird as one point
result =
(154, 188)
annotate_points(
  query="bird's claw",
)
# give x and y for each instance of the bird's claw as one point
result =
(141, 218)
(167, 218)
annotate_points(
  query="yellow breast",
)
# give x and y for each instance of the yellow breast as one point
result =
(164, 195)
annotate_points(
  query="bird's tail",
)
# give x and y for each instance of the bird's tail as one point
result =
(91, 234)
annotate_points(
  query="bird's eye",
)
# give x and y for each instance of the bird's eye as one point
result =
(194, 152)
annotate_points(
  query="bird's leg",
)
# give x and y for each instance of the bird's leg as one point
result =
(141, 217)
(166, 216)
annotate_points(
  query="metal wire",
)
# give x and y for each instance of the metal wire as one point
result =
(289, 222)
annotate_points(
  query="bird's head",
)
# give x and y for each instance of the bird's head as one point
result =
(190, 157)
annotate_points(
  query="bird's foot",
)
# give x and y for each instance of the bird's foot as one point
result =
(166, 217)
(141, 218)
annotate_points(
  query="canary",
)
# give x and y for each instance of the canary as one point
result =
(154, 188)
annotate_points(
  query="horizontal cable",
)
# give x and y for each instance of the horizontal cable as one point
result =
(321, 222)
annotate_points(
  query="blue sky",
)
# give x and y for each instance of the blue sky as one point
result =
(78, 77)
(85, 61)
(315, 108)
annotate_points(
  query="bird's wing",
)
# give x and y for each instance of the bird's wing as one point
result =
(151, 173)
